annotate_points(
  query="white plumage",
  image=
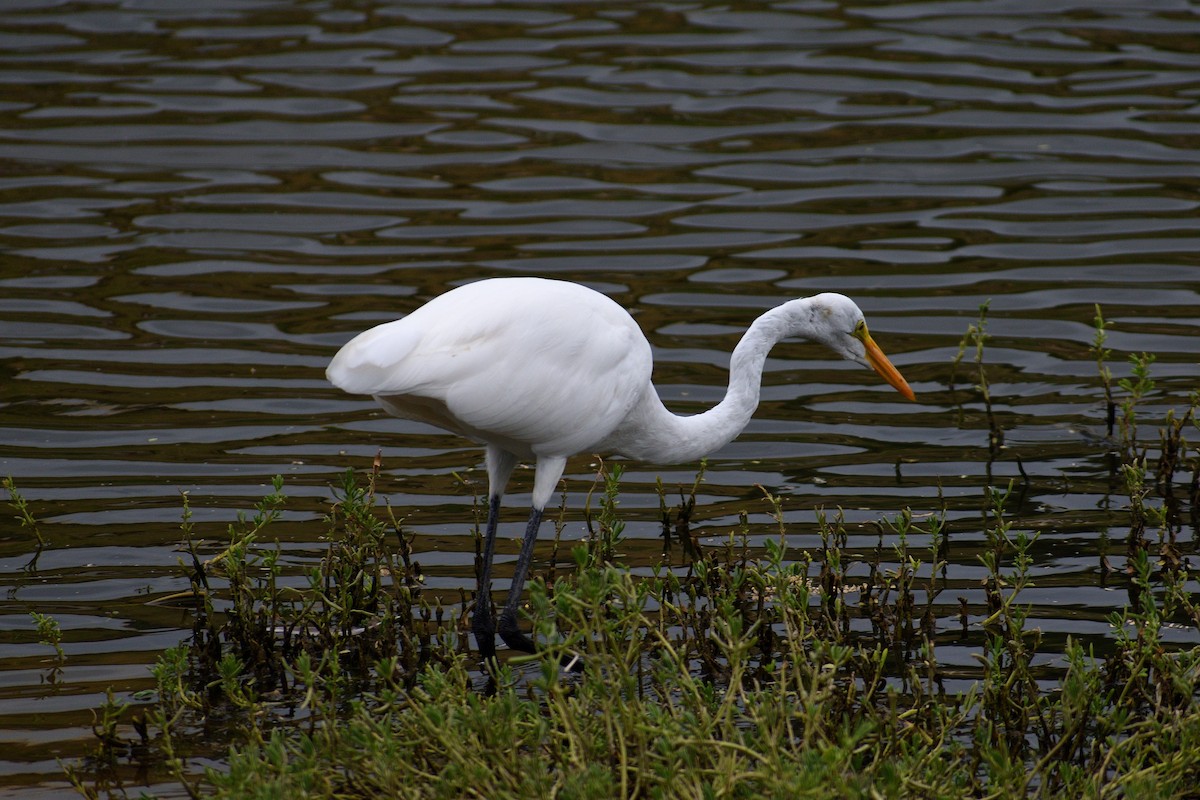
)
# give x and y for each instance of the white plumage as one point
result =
(542, 369)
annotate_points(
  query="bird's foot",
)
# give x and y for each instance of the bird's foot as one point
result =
(512, 635)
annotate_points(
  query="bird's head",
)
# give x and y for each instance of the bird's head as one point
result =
(840, 325)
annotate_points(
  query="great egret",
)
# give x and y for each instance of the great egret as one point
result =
(544, 369)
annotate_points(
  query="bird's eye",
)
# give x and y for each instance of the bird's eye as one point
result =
(860, 330)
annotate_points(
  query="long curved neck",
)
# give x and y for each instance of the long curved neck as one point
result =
(653, 433)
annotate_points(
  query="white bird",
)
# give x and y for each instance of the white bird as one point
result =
(540, 370)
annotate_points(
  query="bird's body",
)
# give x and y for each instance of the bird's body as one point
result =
(542, 369)
(584, 364)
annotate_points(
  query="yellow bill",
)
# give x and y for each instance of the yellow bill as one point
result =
(879, 362)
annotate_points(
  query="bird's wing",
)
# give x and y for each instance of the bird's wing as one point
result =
(368, 363)
(544, 366)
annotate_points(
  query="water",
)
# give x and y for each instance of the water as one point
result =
(199, 202)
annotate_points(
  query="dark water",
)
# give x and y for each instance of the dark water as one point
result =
(200, 201)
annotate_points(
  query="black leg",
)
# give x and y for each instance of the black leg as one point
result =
(483, 625)
(508, 617)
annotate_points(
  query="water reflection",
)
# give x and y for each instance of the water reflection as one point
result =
(201, 202)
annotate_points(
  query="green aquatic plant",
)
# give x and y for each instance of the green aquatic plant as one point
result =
(676, 521)
(1174, 454)
(741, 672)
(50, 634)
(1173, 448)
(976, 338)
(608, 529)
(18, 503)
(1102, 354)
(1136, 387)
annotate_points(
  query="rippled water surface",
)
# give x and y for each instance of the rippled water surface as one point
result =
(201, 201)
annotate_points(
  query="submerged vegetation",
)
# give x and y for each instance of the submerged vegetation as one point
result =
(728, 671)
